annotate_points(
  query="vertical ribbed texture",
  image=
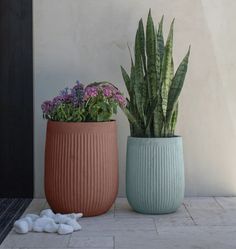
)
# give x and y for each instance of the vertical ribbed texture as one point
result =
(81, 167)
(155, 174)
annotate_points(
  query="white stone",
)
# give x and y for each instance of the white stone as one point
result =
(48, 213)
(75, 216)
(65, 229)
(51, 227)
(76, 226)
(30, 222)
(40, 223)
(21, 226)
(33, 217)
(48, 222)
(61, 218)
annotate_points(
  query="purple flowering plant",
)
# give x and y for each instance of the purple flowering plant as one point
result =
(96, 102)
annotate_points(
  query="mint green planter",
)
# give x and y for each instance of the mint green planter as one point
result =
(155, 174)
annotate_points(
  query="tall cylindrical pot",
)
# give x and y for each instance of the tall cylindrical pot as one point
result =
(81, 167)
(155, 174)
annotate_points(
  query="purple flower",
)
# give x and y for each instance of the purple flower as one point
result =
(90, 92)
(47, 107)
(77, 93)
(107, 91)
(78, 86)
(58, 100)
(120, 99)
(64, 92)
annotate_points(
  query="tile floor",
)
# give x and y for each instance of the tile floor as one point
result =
(200, 223)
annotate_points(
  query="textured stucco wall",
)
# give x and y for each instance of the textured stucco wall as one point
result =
(86, 40)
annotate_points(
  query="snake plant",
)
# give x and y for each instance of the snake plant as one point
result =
(152, 85)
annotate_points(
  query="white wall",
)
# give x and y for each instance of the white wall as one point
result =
(86, 40)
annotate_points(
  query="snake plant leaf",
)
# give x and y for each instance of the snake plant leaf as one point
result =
(133, 104)
(176, 86)
(166, 70)
(130, 54)
(142, 43)
(160, 47)
(158, 118)
(126, 79)
(172, 68)
(152, 107)
(173, 120)
(151, 56)
(131, 118)
(139, 83)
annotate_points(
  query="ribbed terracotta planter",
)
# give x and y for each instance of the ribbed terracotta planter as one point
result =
(81, 167)
(155, 174)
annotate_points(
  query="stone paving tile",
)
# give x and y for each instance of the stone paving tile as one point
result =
(117, 224)
(43, 240)
(215, 217)
(136, 239)
(201, 203)
(112, 233)
(107, 215)
(92, 241)
(197, 237)
(227, 202)
(180, 218)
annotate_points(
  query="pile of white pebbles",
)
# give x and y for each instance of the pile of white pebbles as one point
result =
(48, 222)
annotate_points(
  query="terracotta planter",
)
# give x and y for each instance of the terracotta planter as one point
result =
(81, 167)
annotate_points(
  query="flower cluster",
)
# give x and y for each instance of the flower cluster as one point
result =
(107, 90)
(96, 102)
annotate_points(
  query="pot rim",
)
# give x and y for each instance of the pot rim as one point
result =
(154, 140)
(81, 123)
(82, 127)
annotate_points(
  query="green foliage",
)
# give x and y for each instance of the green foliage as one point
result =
(100, 108)
(66, 112)
(152, 85)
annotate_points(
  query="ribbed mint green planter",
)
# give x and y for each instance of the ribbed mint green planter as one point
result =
(155, 174)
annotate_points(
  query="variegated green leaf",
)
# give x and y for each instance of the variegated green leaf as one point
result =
(151, 57)
(166, 70)
(173, 120)
(160, 47)
(126, 79)
(142, 43)
(158, 118)
(172, 69)
(139, 85)
(152, 107)
(176, 86)
(133, 120)
(130, 54)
